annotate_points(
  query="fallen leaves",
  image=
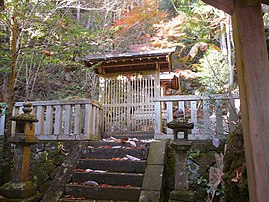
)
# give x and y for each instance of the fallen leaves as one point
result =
(88, 170)
(47, 53)
(72, 197)
(127, 157)
(63, 151)
(116, 159)
(238, 172)
(132, 158)
(90, 183)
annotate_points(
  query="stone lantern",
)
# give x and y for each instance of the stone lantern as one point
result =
(20, 187)
(181, 192)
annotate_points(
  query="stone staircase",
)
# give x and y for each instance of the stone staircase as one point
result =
(108, 171)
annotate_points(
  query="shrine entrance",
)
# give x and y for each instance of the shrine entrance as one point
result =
(128, 103)
(129, 83)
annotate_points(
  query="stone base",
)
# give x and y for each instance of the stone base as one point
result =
(182, 196)
(34, 198)
(18, 190)
(148, 195)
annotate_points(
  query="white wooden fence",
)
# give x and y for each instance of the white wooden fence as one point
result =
(83, 119)
(212, 115)
(65, 120)
(2, 119)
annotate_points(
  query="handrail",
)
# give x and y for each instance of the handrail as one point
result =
(66, 119)
(61, 102)
(194, 97)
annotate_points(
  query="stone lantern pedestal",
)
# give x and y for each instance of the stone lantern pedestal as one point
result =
(181, 192)
(21, 187)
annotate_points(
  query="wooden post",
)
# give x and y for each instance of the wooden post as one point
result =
(157, 105)
(253, 70)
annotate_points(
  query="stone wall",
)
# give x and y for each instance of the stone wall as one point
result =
(200, 158)
(46, 159)
(45, 162)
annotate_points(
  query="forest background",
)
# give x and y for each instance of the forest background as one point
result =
(42, 43)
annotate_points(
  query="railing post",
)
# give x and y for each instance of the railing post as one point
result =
(219, 119)
(158, 118)
(232, 113)
(2, 120)
(77, 121)
(58, 120)
(206, 112)
(194, 115)
(169, 116)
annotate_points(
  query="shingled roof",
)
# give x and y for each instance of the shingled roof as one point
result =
(131, 61)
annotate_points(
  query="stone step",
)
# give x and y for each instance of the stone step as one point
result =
(111, 178)
(108, 153)
(119, 142)
(89, 200)
(141, 136)
(102, 143)
(116, 193)
(113, 165)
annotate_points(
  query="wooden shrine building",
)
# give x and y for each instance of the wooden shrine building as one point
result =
(129, 82)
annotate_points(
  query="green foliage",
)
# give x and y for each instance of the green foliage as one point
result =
(213, 72)
(193, 153)
(235, 172)
(49, 35)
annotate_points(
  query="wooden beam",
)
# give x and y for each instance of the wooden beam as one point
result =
(227, 5)
(253, 71)
(224, 5)
(249, 2)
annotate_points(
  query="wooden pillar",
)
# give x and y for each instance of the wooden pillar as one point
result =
(157, 105)
(253, 70)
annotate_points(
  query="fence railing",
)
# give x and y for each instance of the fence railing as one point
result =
(2, 118)
(212, 115)
(65, 120)
(83, 119)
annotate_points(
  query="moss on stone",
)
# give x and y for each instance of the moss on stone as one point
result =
(233, 160)
(24, 117)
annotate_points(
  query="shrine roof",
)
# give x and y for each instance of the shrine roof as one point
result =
(131, 61)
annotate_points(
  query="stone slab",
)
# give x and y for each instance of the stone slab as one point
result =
(106, 193)
(18, 189)
(111, 178)
(157, 153)
(113, 166)
(153, 178)
(34, 198)
(182, 196)
(147, 195)
(164, 137)
(107, 153)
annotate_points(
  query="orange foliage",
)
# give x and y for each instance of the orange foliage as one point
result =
(143, 16)
(47, 53)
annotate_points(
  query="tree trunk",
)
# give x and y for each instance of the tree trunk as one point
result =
(2, 5)
(7, 155)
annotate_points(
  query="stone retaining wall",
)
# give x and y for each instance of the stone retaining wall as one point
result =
(46, 159)
(201, 158)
